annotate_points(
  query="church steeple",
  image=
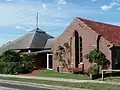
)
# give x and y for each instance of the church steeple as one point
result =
(37, 21)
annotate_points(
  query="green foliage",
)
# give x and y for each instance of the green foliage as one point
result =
(62, 55)
(13, 63)
(94, 69)
(96, 56)
(9, 56)
(27, 63)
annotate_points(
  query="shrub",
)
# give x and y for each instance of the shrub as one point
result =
(2, 67)
(94, 69)
(13, 63)
(96, 56)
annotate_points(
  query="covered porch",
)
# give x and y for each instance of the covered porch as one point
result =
(43, 59)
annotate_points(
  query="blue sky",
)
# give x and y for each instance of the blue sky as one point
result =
(17, 17)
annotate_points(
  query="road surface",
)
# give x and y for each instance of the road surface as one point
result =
(6, 86)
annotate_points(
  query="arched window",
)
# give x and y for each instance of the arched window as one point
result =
(98, 41)
(76, 48)
(80, 49)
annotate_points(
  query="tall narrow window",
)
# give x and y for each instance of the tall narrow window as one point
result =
(70, 47)
(80, 49)
(98, 41)
(76, 48)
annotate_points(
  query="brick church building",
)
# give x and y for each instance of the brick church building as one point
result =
(84, 35)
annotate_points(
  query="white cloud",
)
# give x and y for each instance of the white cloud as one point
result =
(118, 8)
(57, 20)
(44, 6)
(114, 3)
(7, 13)
(116, 0)
(19, 27)
(59, 8)
(61, 2)
(106, 7)
(94, 0)
(13, 15)
(8, 0)
(110, 6)
(22, 0)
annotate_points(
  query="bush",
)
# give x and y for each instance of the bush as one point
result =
(2, 67)
(96, 56)
(13, 63)
(94, 69)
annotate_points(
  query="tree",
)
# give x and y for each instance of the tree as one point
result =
(96, 56)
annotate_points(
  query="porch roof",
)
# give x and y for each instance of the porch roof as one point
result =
(43, 51)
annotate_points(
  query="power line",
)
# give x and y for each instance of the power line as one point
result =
(37, 5)
(24, 18)
(54, 30)
(23, 9)
(27, 12)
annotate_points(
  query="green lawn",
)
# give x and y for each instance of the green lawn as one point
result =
(115, 78)
(51, 73)
(91, 86)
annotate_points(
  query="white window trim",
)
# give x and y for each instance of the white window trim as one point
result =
(48, 62)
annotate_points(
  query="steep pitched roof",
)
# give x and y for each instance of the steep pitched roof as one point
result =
(49, 43)
(35, 39)
(109, 32)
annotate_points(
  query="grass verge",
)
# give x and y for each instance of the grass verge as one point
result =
(113, 79)
(92, 86)
(51, 73)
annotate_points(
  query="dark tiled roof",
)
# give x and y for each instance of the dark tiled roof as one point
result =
(110, 32)
(49, 43)
(35, 39)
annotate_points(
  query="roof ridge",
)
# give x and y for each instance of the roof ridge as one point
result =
(32, 39)
(37, 30)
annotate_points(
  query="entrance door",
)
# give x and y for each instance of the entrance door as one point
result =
(49, 61)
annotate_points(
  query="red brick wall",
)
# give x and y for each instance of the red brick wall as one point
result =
(105, 46)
